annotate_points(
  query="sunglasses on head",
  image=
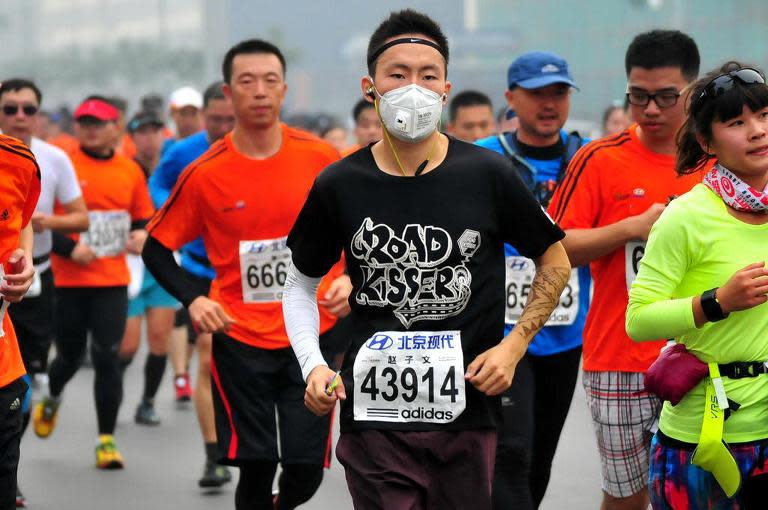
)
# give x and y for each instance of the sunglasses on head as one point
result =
(726, 81)
(12, 109)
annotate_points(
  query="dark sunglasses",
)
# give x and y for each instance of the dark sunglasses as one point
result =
(12, 109)
(725, 82)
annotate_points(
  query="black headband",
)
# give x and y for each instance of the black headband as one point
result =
(404, 40)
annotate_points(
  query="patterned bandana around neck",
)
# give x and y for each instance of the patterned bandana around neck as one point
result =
(735, 192)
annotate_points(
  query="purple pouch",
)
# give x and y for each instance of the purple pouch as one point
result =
(674, 373)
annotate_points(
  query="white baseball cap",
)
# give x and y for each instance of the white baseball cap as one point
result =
(185, 96)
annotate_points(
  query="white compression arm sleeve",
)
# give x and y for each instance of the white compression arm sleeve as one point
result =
(302, 319)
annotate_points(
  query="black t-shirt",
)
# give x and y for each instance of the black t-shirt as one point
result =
(554, 151)
(425, 254)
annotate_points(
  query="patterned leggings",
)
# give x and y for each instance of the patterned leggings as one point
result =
(676, 484)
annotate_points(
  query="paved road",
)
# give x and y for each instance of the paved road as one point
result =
(163, 463)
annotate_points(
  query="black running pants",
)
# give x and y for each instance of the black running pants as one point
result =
(534, 409)
(100, 311)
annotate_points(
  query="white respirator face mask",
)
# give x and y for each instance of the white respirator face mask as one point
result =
(410, 113)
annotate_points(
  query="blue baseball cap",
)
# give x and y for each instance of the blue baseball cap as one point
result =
(538, 69)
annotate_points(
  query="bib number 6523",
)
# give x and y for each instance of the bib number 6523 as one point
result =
(520, 273)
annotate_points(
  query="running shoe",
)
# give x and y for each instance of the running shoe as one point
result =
(107, 455)
(225, 473)
(214, 475)
(21, 501)
(146, 414)
(44, 416)
(183, 388)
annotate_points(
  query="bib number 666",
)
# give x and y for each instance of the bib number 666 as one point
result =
(267, 275)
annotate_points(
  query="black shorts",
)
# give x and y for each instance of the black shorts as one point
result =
(33, 320)
(248, 384)
(11, 399)
(418, 470)
(202, 286)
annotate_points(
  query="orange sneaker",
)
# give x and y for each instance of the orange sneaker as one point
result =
(44, 417)
(107, 454)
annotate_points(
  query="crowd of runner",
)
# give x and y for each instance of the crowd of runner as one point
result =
(446, 289)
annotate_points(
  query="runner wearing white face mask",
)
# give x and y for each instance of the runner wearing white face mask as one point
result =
(422, 234)
(410, 113)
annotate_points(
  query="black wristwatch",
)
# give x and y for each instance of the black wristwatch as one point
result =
(711, 306)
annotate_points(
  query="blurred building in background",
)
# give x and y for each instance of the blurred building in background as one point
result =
(133, 47)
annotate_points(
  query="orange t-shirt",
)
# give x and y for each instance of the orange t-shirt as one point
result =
(349, 150)
(19, 189)
(65, 142)
(607, 181)
(244, 209)
(115, 193)
(127, 148)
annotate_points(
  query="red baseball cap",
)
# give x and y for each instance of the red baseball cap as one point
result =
(97, 109)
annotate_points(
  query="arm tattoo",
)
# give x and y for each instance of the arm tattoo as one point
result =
(546, 288)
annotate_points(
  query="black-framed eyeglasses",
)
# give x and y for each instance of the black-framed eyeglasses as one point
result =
(12, 109)
(725, 82)
(663, 99)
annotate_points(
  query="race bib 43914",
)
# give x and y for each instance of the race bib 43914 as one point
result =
(410, 376)
(263, 269)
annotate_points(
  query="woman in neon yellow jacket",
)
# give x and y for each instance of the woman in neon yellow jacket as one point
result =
(703, 281)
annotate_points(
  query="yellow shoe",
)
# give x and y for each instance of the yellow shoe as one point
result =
(107, 455)
(44, 417)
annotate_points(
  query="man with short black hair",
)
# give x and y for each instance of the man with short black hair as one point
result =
(470, 116)
(242, 196)
(613, 192)
(19, 108)
(34, 316)
(20, 188)
(535, 407)
(421, 218)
